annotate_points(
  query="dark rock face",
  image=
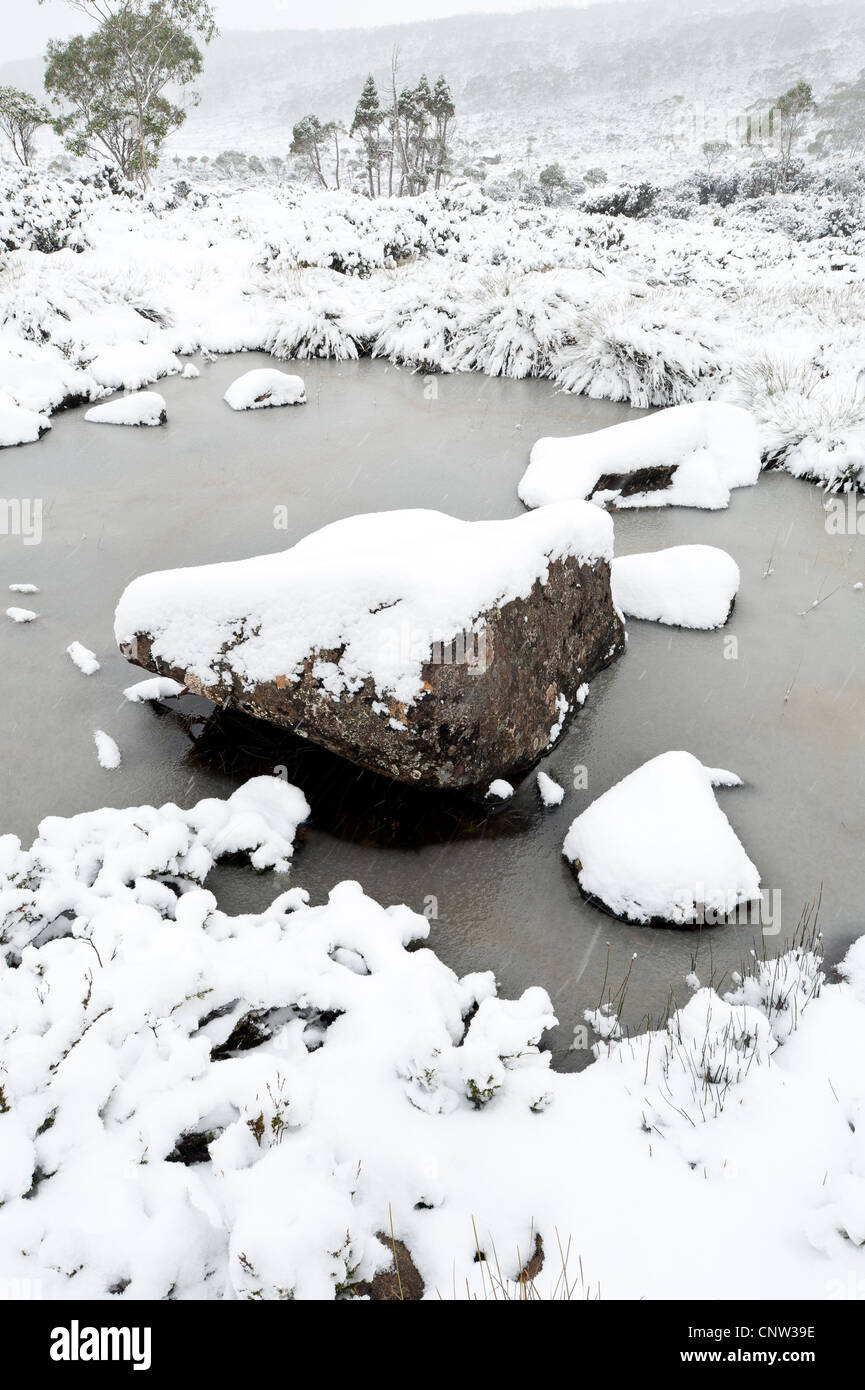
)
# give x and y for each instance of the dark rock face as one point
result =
(490, 702)
(401, 1283)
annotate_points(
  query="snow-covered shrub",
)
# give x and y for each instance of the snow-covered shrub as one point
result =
(512, 324)
(629, 349)
(811, 424)
(632, 200)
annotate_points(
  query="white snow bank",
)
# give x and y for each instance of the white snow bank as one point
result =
(107, 750)
(499, 789)
(142, 408)
(39, 379)
(20, 426)
(380, 589)
(332, 1080)
(263, 387)
(551, 793)
(21, 615)
(156, 688)
(83, 658)
(129, 366)
(658, 846)
(714, 447)
(685, 586)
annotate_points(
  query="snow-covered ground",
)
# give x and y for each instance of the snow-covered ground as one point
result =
(199, 1105)
(727, 303)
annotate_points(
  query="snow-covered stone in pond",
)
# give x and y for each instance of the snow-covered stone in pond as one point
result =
(426, 648)
(21, 615)
(190, 372)
(158, 688)
(83, 658)
(143, 408)
(499, 789)
(107, 750)
(20, 426)
(551, 793)
(23, 589)
(657, 847)
(688, 456)
(685, 586)
(265, 386)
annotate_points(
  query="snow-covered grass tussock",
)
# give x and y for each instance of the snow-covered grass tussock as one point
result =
(195, 1105)
(655, 311)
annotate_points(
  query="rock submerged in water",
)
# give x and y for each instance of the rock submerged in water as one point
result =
(434, 651)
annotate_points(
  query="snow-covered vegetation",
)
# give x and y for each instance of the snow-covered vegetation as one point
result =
(654, 310)
(174, 1078)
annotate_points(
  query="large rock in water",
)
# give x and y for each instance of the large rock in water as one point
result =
(431, 650)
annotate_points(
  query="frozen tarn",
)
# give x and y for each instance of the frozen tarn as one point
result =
(237, 1106)
(156, 688)
(264, 387)
(378, 590)
(107, 750)
(20, 426)
(141, 408)
(657, 847)
(83, 658)
(551, 793)
(688, 456)
(685, 586)
(21, 615)
(500, 789)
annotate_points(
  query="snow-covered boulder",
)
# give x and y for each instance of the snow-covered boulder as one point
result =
(429, 649)
(263, 387)
(685, 586)
(688, 456)
(142, 408)
(20, 426)
(657, 847)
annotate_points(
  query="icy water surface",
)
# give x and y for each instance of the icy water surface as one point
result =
(786, 711)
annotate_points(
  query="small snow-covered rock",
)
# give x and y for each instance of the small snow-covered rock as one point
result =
(21, 615)
(107, 750)
(685, 586)
(551, 793)
(190, 372)
(657, 847)
(23, 589)
(20, 426)
(687, 456)
(499, 789)
(142, 408)
(265, 386)
(83, 658)
(157, 688)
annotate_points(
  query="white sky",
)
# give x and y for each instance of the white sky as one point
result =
(27, 25)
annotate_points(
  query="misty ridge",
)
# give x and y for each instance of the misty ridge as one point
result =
(624, 68)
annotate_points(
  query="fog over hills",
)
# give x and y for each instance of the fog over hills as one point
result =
(621, 69)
